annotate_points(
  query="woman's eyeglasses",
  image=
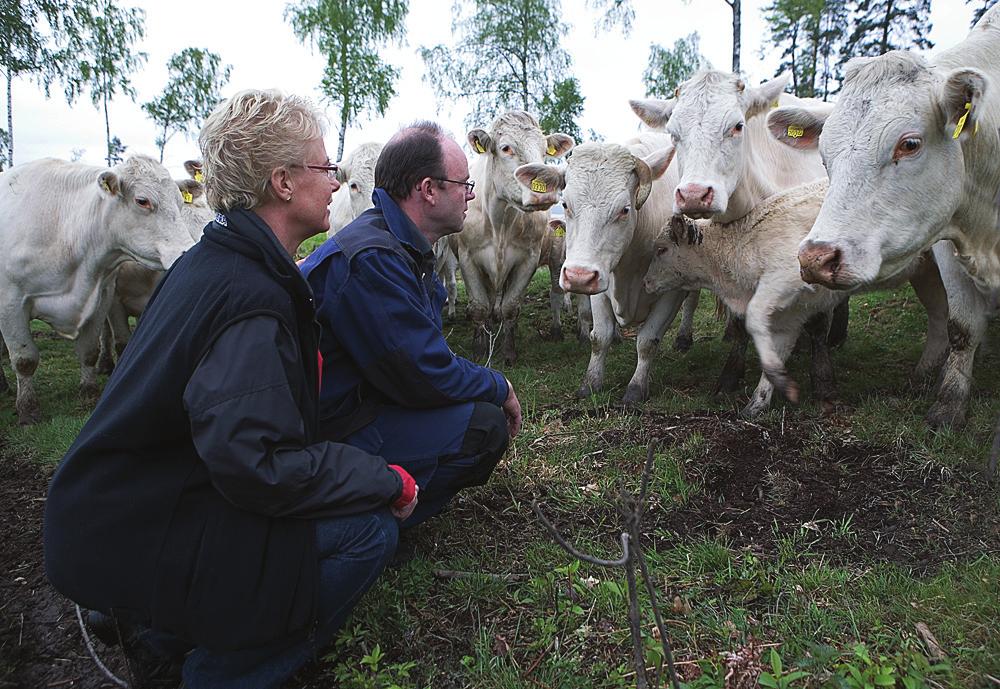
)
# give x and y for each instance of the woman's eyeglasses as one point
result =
(330, 170)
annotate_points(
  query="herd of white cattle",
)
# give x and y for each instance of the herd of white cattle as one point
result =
(731, 189)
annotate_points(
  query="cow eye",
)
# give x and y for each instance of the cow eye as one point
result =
(143, 202)
(907, 146)
(660, 250)
(624, 211)
(506, 149)
(354, 187)
(569, 213)
(737, 128)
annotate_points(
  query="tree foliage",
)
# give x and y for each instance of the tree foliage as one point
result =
(507, 56)
(99, 55)
(667, 68)
(559, 110)
(619, 13)
(981, 10)
(808, 32)
(192, 92)
(350, 33)
(883, 25)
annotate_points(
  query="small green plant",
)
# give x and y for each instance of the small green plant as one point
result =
(372, 673)
(778, 678)
(908, 668)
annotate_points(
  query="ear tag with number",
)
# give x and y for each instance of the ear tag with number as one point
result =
(551, 150)
(795, 131)
(775, 103)
(188, 197)
(198, 177)
(560, 231)
(961, 121)
(479, 147)
(539, 186)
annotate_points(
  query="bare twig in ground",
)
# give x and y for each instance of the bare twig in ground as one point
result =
(632, 511)
(454, 574)
(934, 650)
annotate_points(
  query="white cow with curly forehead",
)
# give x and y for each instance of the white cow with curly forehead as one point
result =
(499, 247)
(65, 228)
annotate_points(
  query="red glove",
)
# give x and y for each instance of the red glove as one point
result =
(409, 488)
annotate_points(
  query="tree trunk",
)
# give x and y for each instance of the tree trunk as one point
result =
(795, 66)
(735, 4)
(817, 32)
(107, 129)
(10, 122)
(884, 48)
(343, 134)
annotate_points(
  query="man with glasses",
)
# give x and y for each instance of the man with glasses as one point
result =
(391, 385)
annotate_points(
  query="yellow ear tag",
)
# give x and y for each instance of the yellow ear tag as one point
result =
(104, 186)
(775, 103)
(961, 121)
(198, 177)
(795, 132)
(559, 232)
(539, 186)
(188, 198)
(479, 148)
(551, 150)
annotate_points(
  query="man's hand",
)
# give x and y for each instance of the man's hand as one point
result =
(512, 410)
(406, 510)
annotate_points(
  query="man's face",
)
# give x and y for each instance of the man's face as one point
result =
(454, 198)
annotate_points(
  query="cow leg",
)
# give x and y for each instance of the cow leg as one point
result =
(105, 360)
(585, 318)
(927, 284)
(773, 349)
(556, 298)
(87, 347)
(648, 340)
(24, 362)
(524, 264)
(968, 311)
(601, 336)
(821, 373)
(774, 342)
(4, 385)
(114, 336)
(837, 330)
(451, 282)
(478, 310)
(685, 333)
(736, 363)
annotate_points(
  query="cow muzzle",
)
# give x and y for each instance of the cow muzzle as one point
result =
(695, 200)
(822, 263)
(580, 280)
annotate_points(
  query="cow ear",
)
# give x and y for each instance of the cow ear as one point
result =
(798, 127)
(654, 112)
(480, 141)
(194, 170)
(540, 178)
(960, 99)
(558, 145)
(678, 230)
(341, 172)
(190, 190)
(762, 98)
(659, 160)
(557, 226)
(110, 183)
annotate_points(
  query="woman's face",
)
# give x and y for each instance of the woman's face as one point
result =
(313, 189)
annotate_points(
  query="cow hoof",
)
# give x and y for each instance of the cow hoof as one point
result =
(683, 342)
(555, 334)
(754, 409)
(30, 416)
(90, 391)
(585, 391)
(940, 417)
(635, 396)
(727, 384)
(828, 407)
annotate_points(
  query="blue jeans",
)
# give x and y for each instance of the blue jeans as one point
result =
(445, 449)
(352, 551)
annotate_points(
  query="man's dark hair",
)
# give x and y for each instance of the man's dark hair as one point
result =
(410, 155)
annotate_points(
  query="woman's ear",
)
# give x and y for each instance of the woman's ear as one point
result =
(281, 183)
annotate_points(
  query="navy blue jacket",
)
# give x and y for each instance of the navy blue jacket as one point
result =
(187, 500)
(380, 303)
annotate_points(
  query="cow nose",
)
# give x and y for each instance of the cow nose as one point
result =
(692, 196)
(819, 263)
(579, 280)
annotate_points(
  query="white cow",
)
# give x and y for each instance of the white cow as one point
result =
(498, 248)
(552, 257)
(751, 264)
(356, 175)
(617, 198)
(66, 227)
(913, 152)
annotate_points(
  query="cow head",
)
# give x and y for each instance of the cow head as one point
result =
(195, 211)
(144, 210)
(893, 148)
(707, 121)
(676, 256)
(515, 139)
(604, 187)
(195, 170)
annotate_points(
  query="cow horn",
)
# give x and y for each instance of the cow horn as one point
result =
(645, 176)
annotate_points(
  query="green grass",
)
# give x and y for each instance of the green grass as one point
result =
(560, 624)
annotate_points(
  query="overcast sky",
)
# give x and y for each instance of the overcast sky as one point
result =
(260, 46)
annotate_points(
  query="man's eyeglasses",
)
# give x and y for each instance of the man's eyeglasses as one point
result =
(469, 186)
(330, 170)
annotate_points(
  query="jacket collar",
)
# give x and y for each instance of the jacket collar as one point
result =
(399, 223)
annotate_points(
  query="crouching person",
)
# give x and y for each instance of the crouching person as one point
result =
(198, 513)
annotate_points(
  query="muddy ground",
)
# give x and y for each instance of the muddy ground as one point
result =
(761, 483)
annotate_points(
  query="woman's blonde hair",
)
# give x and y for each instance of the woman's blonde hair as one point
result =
(247, 137)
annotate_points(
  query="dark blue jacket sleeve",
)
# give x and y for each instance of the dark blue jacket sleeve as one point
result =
(380, 316)
(250, 433)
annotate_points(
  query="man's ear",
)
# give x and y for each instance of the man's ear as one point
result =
(654, 112)
(762, 98)
(541, 178)
(959, 101)
(798, 127)
(480, 141)
(649, 168)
